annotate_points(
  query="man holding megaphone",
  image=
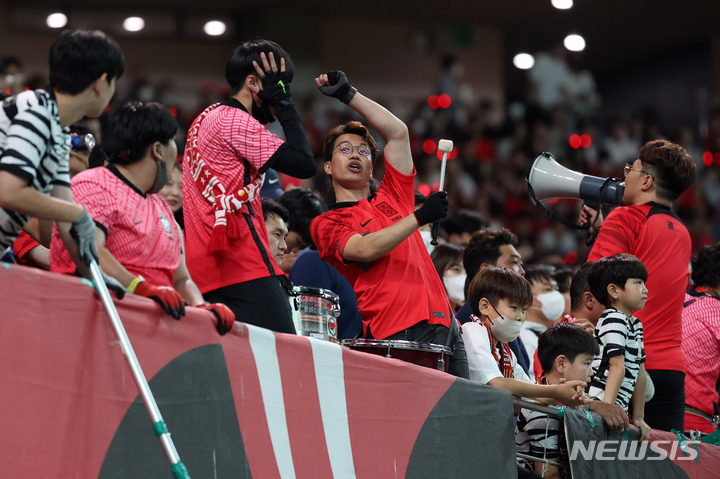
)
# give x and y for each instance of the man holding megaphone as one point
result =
(646, 227)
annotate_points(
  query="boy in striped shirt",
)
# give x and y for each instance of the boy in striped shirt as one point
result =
(618, 282)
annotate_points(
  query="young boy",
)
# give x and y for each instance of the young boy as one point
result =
(499, 299)
(34, 141)
(618, 282)
(565, 351)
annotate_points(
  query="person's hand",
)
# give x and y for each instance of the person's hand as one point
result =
(83, 232)
(170, 300)
(114, 285)
(571, 393)
(585, 324)
(274, 87)
(225, 316)
(643, 428)
(614, 415)
(435, 208)
(587, 217)
(335, 84)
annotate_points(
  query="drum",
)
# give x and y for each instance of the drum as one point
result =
(315, 312)
(428, 355)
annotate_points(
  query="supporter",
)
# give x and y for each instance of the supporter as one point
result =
(493, 248)
(647, 228)
(499, 299)
(374, 240)
(276, 218)
(228, 146)
(701, 342)
(303, 206)
(172, 193)
(35, 139)
(547, 306)
(461, 226)
(618, 282)
(139, 242)
(28, 251)
(308, 269)
(447, 259)
(11, 75)
(566, 353)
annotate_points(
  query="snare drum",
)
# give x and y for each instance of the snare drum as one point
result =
(428, 355)
(315, 312)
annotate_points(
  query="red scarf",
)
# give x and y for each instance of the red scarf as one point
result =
(227, 222)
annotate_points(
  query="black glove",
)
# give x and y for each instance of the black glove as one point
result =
(435, 208)
(276, 88)
(339, 87)
(83, 232)
(114, 285)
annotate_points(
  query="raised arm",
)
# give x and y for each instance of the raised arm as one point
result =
(388, 126)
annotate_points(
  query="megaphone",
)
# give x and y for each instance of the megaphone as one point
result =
(548, 180)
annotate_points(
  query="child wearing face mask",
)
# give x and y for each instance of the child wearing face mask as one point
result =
(547, 306)
(499, 299)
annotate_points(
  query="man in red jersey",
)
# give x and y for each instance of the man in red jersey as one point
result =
(227, 153)
(373, 240)
(647, 228)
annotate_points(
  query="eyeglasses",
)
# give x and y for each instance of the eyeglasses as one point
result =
(347, 148)
(628, 168)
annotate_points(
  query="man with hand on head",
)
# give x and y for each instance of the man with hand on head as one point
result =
(140, 243)
(373, 240)
(35, 140)
(227, 153)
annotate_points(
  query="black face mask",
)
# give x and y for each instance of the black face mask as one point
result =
(161, 178)
(262, 113)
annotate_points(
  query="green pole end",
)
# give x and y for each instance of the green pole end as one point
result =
(179, 471)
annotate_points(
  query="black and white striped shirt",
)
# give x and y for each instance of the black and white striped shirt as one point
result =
(617, 334)
(536, 434)
(33, 146)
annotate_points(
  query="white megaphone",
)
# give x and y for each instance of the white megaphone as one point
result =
(548, 180)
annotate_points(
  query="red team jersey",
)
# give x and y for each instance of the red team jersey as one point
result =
(140, 230)
(657, 237)
(400, 289)
(235, 147)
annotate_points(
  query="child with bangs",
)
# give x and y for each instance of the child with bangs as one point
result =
(499, 298)
(618, 282)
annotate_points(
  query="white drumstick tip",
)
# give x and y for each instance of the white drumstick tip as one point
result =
(445, 145)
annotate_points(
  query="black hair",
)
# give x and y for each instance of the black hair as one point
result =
(579, 285)
(240, 64)
(464, 221)
(484, 247)
(538, 273)
(563, 277)
(270, 206)
(567, 339)
(496, 284)
(446, 255)
(7, 61)
(130, 129)
(616, 269)
(79, 57)
(303, 206)
(706, 266)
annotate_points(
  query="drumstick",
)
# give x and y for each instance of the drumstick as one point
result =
(446, 147)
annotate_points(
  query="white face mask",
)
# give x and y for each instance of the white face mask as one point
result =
(553, 305)
(455, 286)
(427, 237)
(504, 329)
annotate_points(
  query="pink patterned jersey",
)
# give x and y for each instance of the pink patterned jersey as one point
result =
(701, 346)
(234, 146)
(140, 229)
